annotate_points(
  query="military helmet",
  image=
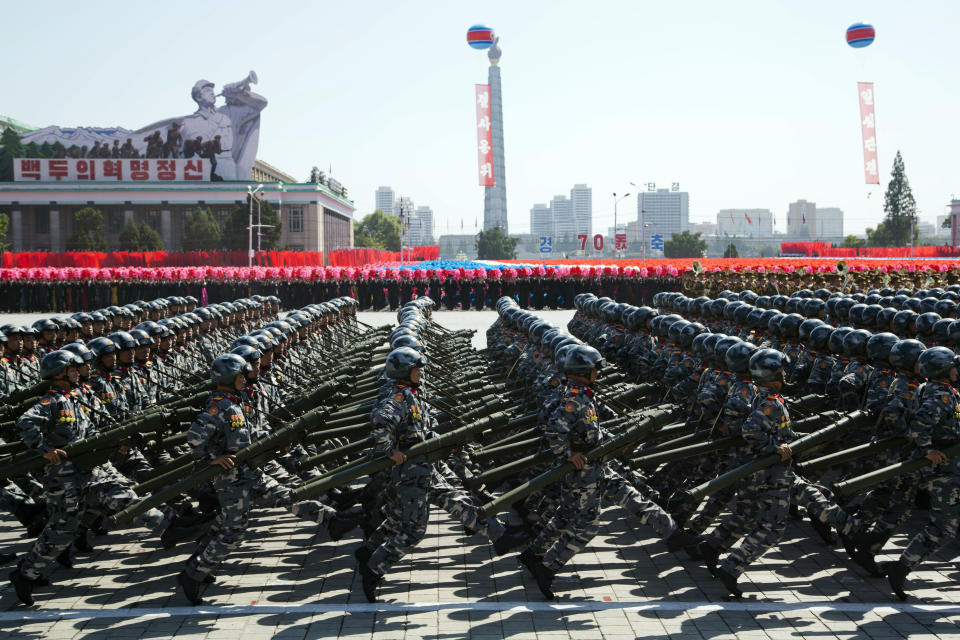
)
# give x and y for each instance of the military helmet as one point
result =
(730, 311)
(249, 353)
(407, 341)
(953, 334)
(946, 308)
(742, 315)
(855, 342)
(936, 362)
(697, 346)
(855, 314)
(79, 349)
(722, 346)
(123, 340)
(902, 322)
(710, 343)
(56, 362)
(580, 359)
(808, 325)
(879, 346)
(941, 330)
(718, 306)
(912, 304)
(904, 354)
(227, 367)
(249, 341)
(835, 343)
(690, 331)
(924, 323)
(748, 297)
(44, 324)
(884, 318)
(766, 365)
(820, 337)
(738, 356)
(401, 361)
(928, 304)
(101, 346)
(143, 338)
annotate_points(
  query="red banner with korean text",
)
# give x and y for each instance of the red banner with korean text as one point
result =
(484, 136)
(107, 170)
(869, 131)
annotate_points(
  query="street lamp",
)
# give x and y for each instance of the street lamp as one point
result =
(251, 194)
(643, 227)
(615, 202)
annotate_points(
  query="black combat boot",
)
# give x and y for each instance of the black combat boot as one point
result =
(680, 539)
(370, 580)
(23, 587)
(730, 582)
(82, 542)
(897, 577)
(344, 522)
(33, 516)
(509, 541)
(710, 555)
(362, 554)
(823, 530)
(191, 588)
(544, 578)
(179, 530)
(64, 558)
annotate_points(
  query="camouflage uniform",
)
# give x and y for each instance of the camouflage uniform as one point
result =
(223, 429)
(57, 420)
(888, 504)
(574, 427)
(936, 425)
(400, 421)
(820, 373)
(736, 409)
(764, 500)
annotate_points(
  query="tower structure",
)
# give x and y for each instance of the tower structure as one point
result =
(495, 196)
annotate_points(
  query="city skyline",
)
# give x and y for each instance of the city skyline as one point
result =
(767, 129)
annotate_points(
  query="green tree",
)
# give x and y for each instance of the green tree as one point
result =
(140, 236)
(4, 230)
(731, 251)
(900, 210)
(494, 244)
(853, 242)
(377, 231)
(684, 245)
(201, 231)
(10, 141)
(236, 229)
(87, 231)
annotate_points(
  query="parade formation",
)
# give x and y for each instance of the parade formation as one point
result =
(711, 420)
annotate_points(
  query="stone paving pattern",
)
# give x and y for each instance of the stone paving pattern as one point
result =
(288, 563)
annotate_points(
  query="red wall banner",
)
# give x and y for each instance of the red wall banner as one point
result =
(484, 136)
(868, 127)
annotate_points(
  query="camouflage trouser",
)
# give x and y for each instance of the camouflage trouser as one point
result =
(111, 493)
(889, 504)
(804, 493)
(62, 484)
(574, 520)
(944, 487)
(238, 491)
(760, 514)
(444, 493)
(11, 497)
(404, 525)
(617, 490)
(718, 501)
(637, 479)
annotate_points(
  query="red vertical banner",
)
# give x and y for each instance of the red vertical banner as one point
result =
(868, 126)
(484, 136)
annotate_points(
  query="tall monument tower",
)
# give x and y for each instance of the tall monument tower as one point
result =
(495, 197)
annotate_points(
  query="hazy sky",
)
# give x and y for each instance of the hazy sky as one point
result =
(745, 104)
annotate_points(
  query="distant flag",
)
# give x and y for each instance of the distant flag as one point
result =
(731, 216)
(774, 220)
(461, 224)
(749, 221)
(804, 218)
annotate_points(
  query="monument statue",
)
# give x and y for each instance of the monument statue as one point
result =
(232, 131)
(494, 52)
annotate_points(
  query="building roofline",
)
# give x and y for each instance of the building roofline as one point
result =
(16, 123)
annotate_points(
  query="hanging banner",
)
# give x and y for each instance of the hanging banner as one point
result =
(868, 128)
(484, 136)
(105, 170)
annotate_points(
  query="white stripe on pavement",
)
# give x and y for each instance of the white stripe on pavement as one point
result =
(816, 608)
